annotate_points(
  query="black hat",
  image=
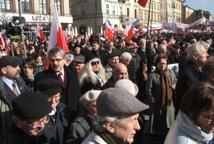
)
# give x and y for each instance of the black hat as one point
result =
(89, 57)
(9, 61)
(49, 86)
(79, 59)
(31, 105)
(118, 102)
(113, 54)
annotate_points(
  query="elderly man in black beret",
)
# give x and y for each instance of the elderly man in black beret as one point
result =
(117, 118)
(29, 119)
(11, 86)
(60, 116)
(113, 59)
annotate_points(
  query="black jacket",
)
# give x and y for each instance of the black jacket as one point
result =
(190, 75)
(17, 136)
(57, 125)
(6, 98)
(70, 93)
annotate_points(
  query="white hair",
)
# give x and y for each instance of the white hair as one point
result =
(194, 49)
(89, 73)
(124, 56)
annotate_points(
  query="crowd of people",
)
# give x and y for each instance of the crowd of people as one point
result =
(109, 92)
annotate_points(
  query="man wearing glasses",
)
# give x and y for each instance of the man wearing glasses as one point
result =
(29, 119)
(60, 116)
(65, 75)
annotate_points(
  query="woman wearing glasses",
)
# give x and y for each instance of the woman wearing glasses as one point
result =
(195, 121)
(93, 76)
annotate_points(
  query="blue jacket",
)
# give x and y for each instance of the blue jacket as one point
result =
(185, 131)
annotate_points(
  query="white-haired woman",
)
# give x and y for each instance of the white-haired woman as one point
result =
(93, 76)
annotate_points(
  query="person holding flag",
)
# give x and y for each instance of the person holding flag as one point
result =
(56, 68)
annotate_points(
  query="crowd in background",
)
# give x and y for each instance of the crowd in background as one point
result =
(73, 81)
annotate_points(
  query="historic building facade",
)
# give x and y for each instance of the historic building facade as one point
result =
(90, 15)
(36, 11)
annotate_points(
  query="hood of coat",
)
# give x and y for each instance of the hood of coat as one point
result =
(189, 127)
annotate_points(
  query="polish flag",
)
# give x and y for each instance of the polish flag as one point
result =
(2, 40)
(57, 36)
(142, 2)
(108, 31)
(129, 32)
(2, 35)
(40, 32)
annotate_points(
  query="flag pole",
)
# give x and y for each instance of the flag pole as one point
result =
(148, 23)
(151, 16)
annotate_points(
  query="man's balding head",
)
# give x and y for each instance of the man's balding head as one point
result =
(120, 72)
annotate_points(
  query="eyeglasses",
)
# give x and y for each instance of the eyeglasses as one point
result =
(208, 116)
(38, 123)
(94, 63)
(57, 60)
(56, 97)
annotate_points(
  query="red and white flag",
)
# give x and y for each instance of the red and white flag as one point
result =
(108, 31)
(142, 2)
(57, 36)
(40, 33)
(2, 40)
(129, 32)
(2, 35)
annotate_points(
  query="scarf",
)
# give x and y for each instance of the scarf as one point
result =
(166, 95)
(105, 135)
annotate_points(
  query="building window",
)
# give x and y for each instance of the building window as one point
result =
(26, 6)
(113, 10)
(135, 13)
(70, 3)
(5, 5)
(107, 8)
(58, 6)
(145, 15)
(121, 10)
(127, 11)
(44, 7)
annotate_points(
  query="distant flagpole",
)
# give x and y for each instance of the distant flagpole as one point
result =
(148, 23)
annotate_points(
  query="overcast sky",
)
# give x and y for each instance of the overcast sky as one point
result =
(207, 5)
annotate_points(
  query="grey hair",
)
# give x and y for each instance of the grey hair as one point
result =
(55, 51)
(124, 56)
(161, 46)
(205, 44)
(194, 49)
(100, 121)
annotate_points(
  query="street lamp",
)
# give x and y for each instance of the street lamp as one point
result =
(20, 8)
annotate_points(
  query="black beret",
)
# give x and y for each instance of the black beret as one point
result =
(113, 54)
(9, 61)
(118, 102)
(31, 105)
(49, 86)
(89, 57)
